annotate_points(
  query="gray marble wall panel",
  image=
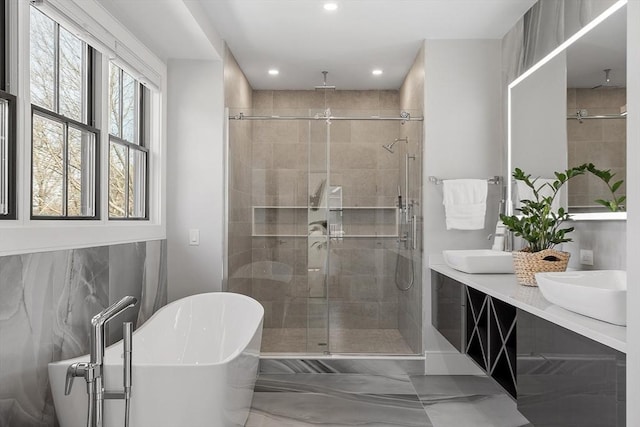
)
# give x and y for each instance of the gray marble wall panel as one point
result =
(46, 302)
(154, 289)
(126, 270)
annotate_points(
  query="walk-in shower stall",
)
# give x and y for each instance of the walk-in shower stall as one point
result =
(324, 220)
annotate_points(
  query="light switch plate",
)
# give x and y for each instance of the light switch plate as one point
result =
(586, 257)
(194, 237)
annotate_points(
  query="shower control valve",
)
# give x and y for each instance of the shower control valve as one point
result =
(79, 369)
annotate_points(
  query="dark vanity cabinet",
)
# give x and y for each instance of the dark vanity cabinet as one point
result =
(478, 325)
(566, 379)
(448, 310)
(491, 337)
(559, 377)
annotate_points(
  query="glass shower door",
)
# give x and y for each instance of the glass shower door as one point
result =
(318, 213)
(315, 233)
(374, 291)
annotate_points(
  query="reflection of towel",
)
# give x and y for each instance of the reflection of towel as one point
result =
(526, 193)
(465, 203)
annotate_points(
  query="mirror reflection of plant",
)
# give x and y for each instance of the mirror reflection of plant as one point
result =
(539, 225)
(616, 203)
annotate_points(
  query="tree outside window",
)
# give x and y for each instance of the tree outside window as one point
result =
(128, 155)
(64, 147)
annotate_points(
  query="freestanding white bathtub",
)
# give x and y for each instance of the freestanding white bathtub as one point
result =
(195, 363)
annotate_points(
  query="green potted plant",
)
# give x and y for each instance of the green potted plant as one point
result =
(541, 227)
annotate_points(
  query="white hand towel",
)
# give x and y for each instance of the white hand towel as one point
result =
(465, 203)
(526, 193)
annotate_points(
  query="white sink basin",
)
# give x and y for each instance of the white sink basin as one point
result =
(601, 294)
(479, 261)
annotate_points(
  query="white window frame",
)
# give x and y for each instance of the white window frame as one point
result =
(89, 21)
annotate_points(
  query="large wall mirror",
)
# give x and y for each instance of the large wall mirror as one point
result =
(570, 109)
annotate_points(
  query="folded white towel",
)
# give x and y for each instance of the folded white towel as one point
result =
(524, 192)
(465, 203)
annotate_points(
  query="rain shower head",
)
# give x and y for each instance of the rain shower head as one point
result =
(324, 83)
(606, 84)
(389, 147)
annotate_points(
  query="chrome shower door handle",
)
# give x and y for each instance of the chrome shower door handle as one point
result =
(414, 232)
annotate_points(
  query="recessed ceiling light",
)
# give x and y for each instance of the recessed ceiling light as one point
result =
(273, 72)
(330, 6)
(377, 72)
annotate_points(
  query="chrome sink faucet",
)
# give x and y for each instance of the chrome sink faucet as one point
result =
(93, 371)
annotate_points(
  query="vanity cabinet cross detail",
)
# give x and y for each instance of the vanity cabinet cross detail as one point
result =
(557, 376)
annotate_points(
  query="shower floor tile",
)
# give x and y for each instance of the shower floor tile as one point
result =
(343, 400)
(294, 340)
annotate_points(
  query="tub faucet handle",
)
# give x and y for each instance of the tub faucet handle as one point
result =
(78, 369)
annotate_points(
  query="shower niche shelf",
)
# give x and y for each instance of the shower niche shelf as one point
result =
(356, 221)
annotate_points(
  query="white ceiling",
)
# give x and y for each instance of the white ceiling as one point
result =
(167, 27)
(301, 39)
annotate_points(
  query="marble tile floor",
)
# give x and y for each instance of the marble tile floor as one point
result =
(343, 400)
(294, 340)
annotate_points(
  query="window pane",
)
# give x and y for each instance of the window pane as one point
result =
(81, 173)
(117, 180)
(4, 157)
(114, 100)
(48, 167)
(128, 108)
(42, 60)
(137, 183)
(71, 76)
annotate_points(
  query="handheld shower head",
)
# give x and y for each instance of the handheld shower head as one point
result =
(389, 147)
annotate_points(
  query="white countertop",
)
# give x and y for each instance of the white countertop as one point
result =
(529, 298)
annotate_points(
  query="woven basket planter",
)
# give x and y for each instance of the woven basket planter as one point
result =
(526, 264)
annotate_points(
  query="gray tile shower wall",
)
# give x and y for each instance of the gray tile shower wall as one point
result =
(46, 303)
(361, 286)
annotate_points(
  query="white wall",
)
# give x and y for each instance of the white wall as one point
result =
(195, 176)
(633, 222)
(463, 139)
(607, 240)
